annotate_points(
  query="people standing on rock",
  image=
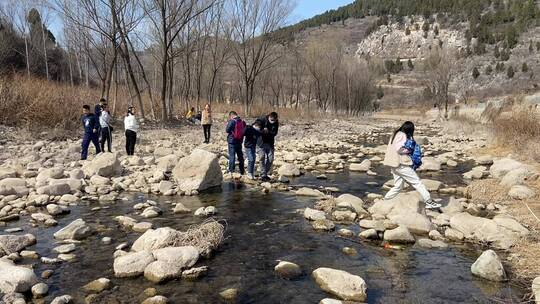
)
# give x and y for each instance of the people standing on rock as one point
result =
(132, 127)
(91, 126)
(252, 137)
(98, 109)
(269, 131)
(236, 129)
(206, 121)
(404, 156)
(106, 128)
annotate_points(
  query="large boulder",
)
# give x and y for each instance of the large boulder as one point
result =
(401, 204)
(502, 166)
(489, 267)
(74, 184)
(15, 278)
(354, 202)
(198, 171)
(416, 223)
(341, 284)
(14, 243)
(170, 262)
(517, 176)
(154, 239)
(76, 230)
(289, 170)
(484, 230)
(536, 289)
(55, 189)
(104, 164)
(521, 192)
(288, 270)
(399, 235)
(50, 173)
(167, 163)
(132, 264)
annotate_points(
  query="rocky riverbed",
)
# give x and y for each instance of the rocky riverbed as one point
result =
(168, 225)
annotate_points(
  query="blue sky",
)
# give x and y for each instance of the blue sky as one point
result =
(309, 8)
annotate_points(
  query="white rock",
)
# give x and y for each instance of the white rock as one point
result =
(312, 214)
(198, 171)
(489, 267)
(76, 230)
(341, 283)
(155, 239)
(15, 278)
(399, 235)
(132, 264)
(521, 192)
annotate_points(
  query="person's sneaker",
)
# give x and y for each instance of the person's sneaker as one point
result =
(250, 176)
(432, 205)
(265, 179)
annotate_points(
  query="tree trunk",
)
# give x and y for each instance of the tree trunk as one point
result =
(45, 51)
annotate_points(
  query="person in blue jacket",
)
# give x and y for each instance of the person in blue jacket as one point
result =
(251, 139)
(91, 126)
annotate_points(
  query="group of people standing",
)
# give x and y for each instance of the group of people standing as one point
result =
(98, 129)
(255, 139)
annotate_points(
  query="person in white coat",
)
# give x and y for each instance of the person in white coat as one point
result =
(398, 157)
(131, 125)
(106, 129)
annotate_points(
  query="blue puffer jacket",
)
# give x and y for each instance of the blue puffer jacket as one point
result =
(415, 153)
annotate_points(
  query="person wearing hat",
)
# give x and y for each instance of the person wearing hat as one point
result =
(131, 125)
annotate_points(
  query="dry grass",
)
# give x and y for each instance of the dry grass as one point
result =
(326, 205)
(206, 236)
(519, 130)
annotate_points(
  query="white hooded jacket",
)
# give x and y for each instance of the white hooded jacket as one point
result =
(131, 123)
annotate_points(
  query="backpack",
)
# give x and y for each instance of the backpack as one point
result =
(239, 130)
(416, 153)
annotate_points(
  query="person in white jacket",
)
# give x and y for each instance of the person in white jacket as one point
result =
(132, 127)
(397, 157)
(106, 130)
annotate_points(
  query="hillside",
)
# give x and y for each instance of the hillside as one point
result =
(494, 46)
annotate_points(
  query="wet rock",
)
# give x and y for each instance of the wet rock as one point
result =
(521, 192)
(132, 264)
(104, 164)
(288, 270)
(304, 191)
(289, 170)
(170, 262)
(198, 171)
(155, 239)
(345, 232)
(65, 299)
(179, 208)
(47, 274)
(125, 221)
(416, 223)
(142, 227)
(76, 230)
(14, 243)
(489, 267)
(15, 278)
(151, 212)
(355, 202)
(369, 234)
(325, 225)
(40, 290)
(399, 235)
(156, 300)
(313, 215)
(344, 216)
(349, 251)
(67, 248)
(229, 294)
(194, 273)
(98, 285)
(431, 244)
(341, 283)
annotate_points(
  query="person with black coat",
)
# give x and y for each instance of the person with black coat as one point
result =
(269, 131)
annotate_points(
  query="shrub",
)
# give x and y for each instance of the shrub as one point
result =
(475, 73)
(510, 72)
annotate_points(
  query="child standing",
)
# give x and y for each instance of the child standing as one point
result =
(252, 138)
(404, 155)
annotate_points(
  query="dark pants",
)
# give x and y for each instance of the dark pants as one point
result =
(131, 139)
(106, 136)
(251, 156)
(236, 150)
(266, 155)
(206, 130)
(87, 138)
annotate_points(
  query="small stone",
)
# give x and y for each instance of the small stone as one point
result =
(349, 251)
(47, 274)
(68, 257)
(65, 248)
(156, 300)
(288, 270)
(40, 290)
(142, 227)
(194, 273)
(98, 285)
(65, 299)
(150, 292)
(369, 234)
(229, 294)
(106, 240)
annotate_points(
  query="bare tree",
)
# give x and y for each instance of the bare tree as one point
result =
(254, 23)
(439, 67)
